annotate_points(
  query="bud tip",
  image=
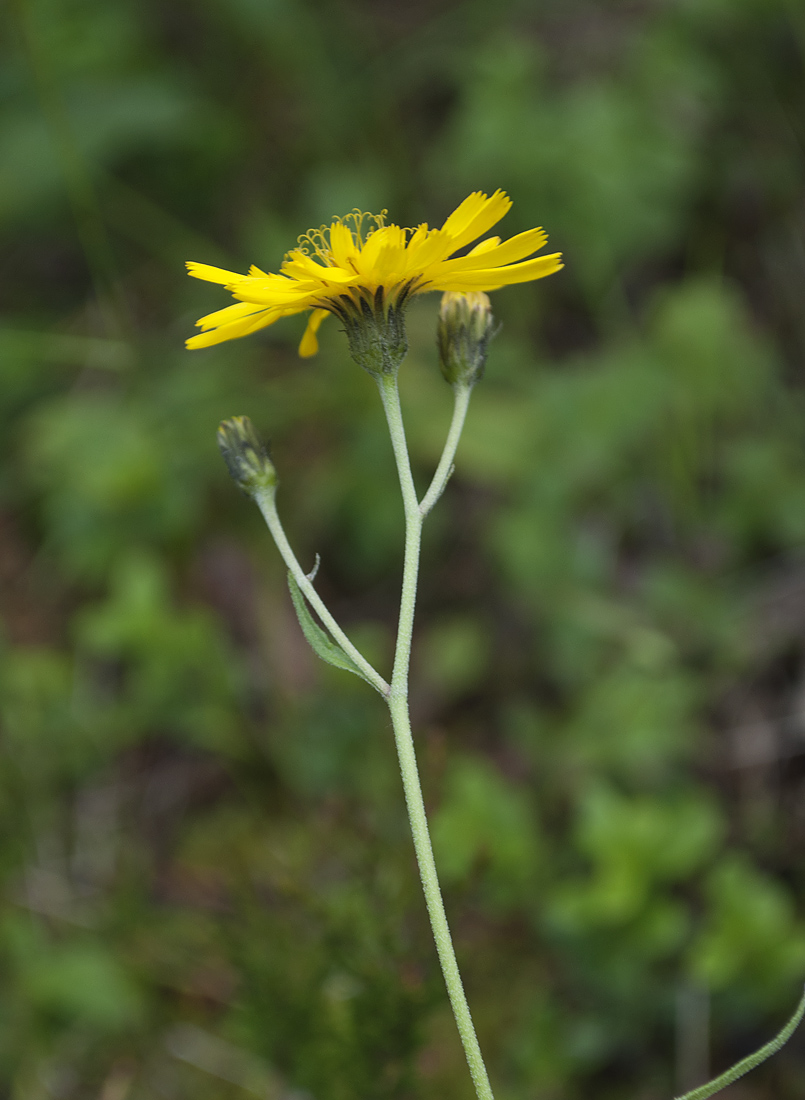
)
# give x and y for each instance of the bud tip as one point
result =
(246, 456)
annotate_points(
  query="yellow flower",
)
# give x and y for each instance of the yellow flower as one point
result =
(359, 266)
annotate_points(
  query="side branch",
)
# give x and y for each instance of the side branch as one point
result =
(265, 500)
(740, 1068)
(445, 467)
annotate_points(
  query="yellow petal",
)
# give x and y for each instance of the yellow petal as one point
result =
(431, 249)
(495, 277)
(464, 213)
(342, 244)
(280, 293)
(523, 244)
(476, 216)
(419, 235)
(212, 274)
(227, 314)
(367, 257)
(233, 330)
(305, 268)
(309, 345)
(484, 246)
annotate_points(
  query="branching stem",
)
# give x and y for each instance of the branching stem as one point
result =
(266, 502)
(398, 706)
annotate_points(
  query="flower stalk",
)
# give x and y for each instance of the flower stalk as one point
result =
(400, 716)
(446, 462)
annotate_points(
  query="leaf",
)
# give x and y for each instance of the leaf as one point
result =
(320, 642)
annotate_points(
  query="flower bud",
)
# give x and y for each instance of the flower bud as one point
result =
(245, 455)
(465, 328)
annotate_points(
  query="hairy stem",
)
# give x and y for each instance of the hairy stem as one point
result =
(398, 707)
(445, 467)
(740, 1068)
(266, 502)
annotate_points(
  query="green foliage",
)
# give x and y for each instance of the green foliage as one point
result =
(632, 845)
(483, 822)
(203, 827)
(180, 676)
(751, 930)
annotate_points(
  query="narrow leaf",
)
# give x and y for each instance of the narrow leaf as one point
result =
(320, 642)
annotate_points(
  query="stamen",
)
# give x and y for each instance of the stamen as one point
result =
(363, 224)
(316, 239)
(360, 224)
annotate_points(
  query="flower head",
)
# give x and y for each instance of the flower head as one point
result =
(359, 266)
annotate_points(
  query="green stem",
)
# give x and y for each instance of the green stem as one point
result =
(398, 707)
(266, 502)
(740, 1068)
(445, 467)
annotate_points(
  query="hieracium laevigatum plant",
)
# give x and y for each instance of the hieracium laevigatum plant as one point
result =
(365, 272)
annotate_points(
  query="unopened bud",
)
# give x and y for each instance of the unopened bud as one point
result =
(245, 455)
(465, 328)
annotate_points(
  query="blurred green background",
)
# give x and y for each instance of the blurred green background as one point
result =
(208, 888)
